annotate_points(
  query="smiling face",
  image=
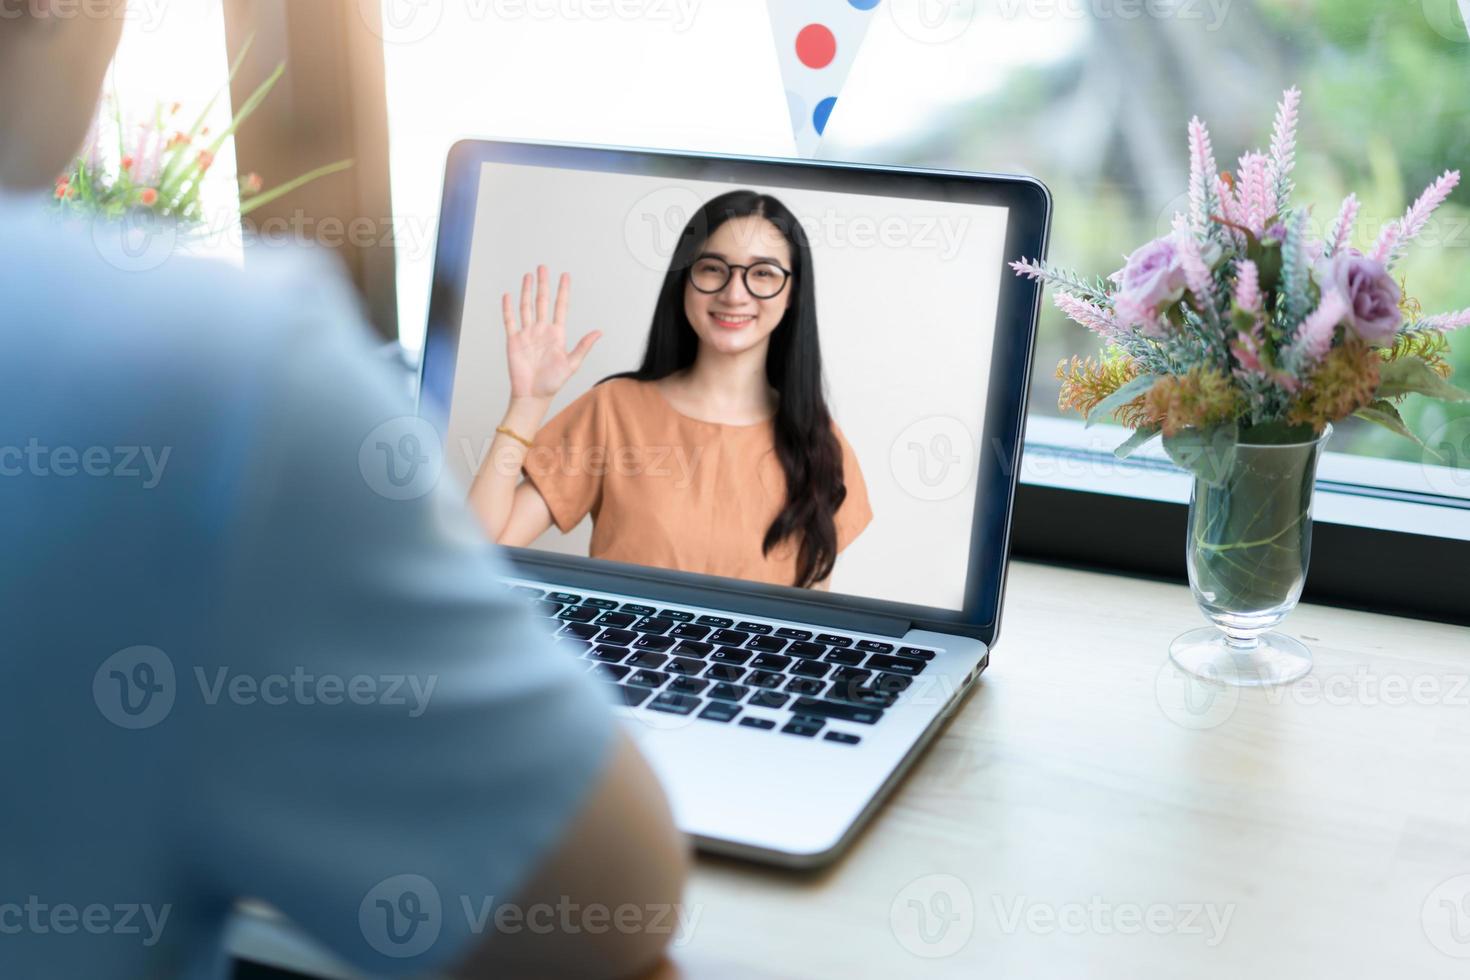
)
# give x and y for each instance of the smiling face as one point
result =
(733, 320)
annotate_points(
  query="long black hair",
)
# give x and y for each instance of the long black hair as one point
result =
(806, 445)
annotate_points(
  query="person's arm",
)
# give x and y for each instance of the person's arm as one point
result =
(539, 364)
(626, 818)
(420, 755)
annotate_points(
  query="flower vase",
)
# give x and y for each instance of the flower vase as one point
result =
(1250, 540)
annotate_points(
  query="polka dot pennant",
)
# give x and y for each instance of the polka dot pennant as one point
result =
(817, 42)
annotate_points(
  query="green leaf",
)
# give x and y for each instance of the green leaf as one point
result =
(1137, 441)
(1207, 453)
(1122, 396)
(1411, 375)
(1385, 414)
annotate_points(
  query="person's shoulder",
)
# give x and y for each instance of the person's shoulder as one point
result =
(98, 291)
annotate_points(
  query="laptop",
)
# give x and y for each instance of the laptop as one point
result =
(777, 716)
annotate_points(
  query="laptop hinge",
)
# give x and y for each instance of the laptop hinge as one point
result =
(749, 598)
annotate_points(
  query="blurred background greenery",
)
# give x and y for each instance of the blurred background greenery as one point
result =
(1102, 116)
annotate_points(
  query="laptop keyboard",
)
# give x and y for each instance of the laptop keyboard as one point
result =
(714, 668)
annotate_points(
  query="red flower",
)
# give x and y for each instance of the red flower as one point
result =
(177, 140)
(252, 184)
(148, 198)
(63, 189)
(127, 163)
(206, 159)
(174, 109)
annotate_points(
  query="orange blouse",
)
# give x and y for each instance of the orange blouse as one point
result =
(672, 491)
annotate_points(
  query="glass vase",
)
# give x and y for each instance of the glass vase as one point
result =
(1250, 540)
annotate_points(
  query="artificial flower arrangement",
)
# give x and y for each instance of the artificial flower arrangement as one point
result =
(162, 170)
(1238, 328)
(1240, 339)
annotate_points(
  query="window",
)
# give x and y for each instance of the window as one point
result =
(1095, 94)
(175, 55)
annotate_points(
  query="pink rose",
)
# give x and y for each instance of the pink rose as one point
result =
(1152, 277)
(1370, 294)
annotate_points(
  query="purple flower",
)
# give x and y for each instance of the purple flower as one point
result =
(1153, 276)
(1369, 293)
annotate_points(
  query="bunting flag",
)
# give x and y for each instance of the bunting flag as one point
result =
(817, 42)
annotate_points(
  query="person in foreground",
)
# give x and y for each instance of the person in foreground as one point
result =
(235, 667)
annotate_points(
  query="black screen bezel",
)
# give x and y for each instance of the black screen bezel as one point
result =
(1029, 205)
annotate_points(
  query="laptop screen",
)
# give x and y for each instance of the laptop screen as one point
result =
(789, 384)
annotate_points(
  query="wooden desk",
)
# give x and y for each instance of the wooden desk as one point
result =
(1089, 811)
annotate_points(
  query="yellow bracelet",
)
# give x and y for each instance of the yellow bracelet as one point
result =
(507, 431)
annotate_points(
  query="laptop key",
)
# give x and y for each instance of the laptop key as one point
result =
(794, 634)
(832, 640)
(842, 738)
(684, 666)
(688, 685)
(848, 658)
(648, 678)
(652, 624)
(693, 648)
(565, 598)
(753, 627)
(866, 697)
(896, 665)
(582, 631)
(805, 686)
(578, 614)
(764, 678)
(609, 654)
(615, 637)
(919, 653)
(718, 622)
(873, 646)
(730, 655)
(732, 638)
(678, 704)
(649, 641)
(616, 619)
(719, 711)
(810, 668)
(610, 672)
(771, 661)
(636, 609)
(690, 631)
(728, 692)
(805, 650)
(892, 683)
(750, 721)
(677, 615)
(599, 603)
(818, 708)
(805, 727)
(769, 699)
(647, 658)
(766, 644)
(632, 696)
(724, 672)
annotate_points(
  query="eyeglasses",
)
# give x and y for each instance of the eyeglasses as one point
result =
(763, 280)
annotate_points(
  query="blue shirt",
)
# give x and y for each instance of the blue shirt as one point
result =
(253, 646)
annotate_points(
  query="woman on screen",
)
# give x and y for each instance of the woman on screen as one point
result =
(718, 454)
